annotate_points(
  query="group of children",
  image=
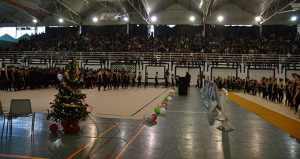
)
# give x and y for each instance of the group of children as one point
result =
(115, 79)
(271, 88)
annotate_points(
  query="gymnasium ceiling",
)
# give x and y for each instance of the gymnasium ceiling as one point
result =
(112, 12)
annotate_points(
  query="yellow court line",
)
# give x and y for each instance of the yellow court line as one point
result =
(74, 154)
(129, 143)
(285, 123)
(17, 156)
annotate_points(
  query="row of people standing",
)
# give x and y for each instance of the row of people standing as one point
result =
(116, 79)
(15, 78)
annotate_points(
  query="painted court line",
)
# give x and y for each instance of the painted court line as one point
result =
(193, 112)
(149, 103)
(106, 142)
(119, 155)
(211, 133)
(17, 156)
(115, 149)
(74, 154)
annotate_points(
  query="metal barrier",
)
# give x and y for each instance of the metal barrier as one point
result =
(155, 56)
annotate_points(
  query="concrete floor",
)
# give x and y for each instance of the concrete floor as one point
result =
(186, 131)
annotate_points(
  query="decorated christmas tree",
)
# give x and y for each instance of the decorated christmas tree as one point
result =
(69, 106)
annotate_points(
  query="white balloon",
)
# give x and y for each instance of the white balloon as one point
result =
(150, 118)
(163, 111)
(146, 116)
(159, 105)
(169, 98)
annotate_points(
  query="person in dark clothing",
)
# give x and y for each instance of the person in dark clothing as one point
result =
(139, 80)
(3, 77)
(114, 79)
(100, 79)
(270, 89)
(247, 85)
(280, 90)
(172, 81)
(156, 79)
(104, 77)
(198, 82)
(275, 91)
(146, 79)
(177, 81)
(188, 77)
(133, 79)
(202, 78)
(166, 80)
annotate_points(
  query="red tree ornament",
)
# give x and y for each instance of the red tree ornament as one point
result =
(75, 123)
(68, 130)
(64, 123)
(75, 129)
(53, 128)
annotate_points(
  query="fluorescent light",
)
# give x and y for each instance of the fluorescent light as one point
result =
(126, 19)
(60, 20)
(95, 19)
(34, 20)
(192, 18)
(220, 18)
(171, 26)
(153, 18)
(257, 18)
(294, 18)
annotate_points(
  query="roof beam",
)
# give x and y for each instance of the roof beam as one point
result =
(53, 13)
(110, 0)
(103, 3)
(140, 9)
(13, 3)
(277, 10)
(68, 7)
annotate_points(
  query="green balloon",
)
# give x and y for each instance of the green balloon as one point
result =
(166, 98)
(157, 110)
(176, 91)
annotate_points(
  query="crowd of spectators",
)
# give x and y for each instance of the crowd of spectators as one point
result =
(271, 44)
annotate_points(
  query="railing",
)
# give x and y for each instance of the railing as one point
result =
(155, 56)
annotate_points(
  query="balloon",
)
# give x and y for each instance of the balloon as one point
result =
(157, 110)
(169, 98)
(164, 104)
(150, 118)
(176, 91)
(64, 123)
(75, 129)
(166, 98)
(53, 128)
(154, 117)
(68, 130)
(171, 93)
(146, 116)
(75, 123)
(163, 111)
(159, 105)
(173, 89)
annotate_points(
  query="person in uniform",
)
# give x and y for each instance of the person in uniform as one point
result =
(139, 80)
(99, 79)
(146, 79)
(3, 77)
(156, 79)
